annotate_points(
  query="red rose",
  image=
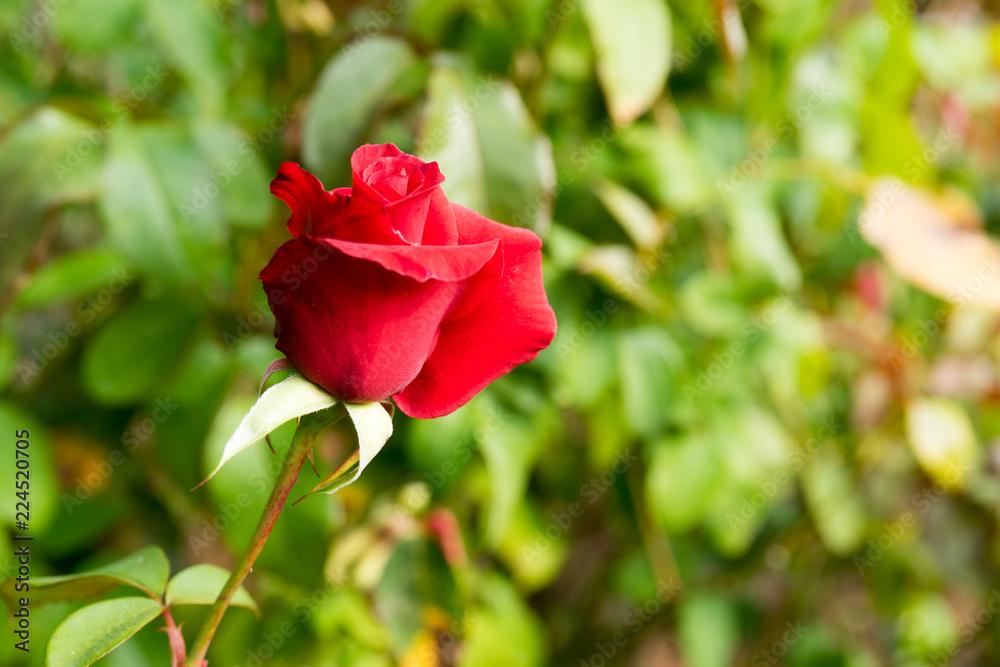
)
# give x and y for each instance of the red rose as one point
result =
(389, 289)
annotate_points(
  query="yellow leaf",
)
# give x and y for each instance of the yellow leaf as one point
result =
(942, 439)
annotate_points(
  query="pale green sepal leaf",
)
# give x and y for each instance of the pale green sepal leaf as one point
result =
(289, 399)
(374, 426)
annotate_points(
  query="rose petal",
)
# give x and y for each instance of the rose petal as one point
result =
(332, 214)
(422, 263)
(357, 329)
(312, 206)
(440, 226)
(408, 186)
(510, 325)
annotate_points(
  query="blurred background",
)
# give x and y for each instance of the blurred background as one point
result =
(765, 434)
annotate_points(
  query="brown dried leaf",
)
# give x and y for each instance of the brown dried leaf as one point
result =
(934, 241)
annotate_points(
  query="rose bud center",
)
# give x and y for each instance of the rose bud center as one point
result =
(393, 178)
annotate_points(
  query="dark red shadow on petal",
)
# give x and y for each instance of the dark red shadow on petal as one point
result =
(357, 329)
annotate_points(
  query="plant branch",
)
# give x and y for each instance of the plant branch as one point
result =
(305, 435)
(178, 654)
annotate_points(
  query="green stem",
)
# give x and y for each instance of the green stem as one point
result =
(305, 435)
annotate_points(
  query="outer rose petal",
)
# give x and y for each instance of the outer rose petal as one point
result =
(335, 214)
(448, 263)
(358, 330)
(509, 326)
(311, 205)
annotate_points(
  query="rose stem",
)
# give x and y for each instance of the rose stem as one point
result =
(305, 435)
(177, 651)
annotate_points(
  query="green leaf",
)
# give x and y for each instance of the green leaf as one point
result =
(92, 632)
(287, 400)
(9, 353)
(51, 157)
(648, 359)
(510, 452)
(135, 350)
(190, 191)
(95, 25)
(72, 276)
(479, 131)
(45, 506)
(48, 159)
(201, 584)
(670, 165)
(833, 501)
(632, 44)
(708, 626)
(502, 631)
(928, 625)
(146, 569)
(534, 566)
(334, 121)
(134, 193)
(680, 481)
(758, 241)
(635, 216)
(374, 426)
(416, 580)
(192, 39)
(229, 153)
(710, 304)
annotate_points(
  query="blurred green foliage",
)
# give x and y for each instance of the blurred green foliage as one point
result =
(750, 443)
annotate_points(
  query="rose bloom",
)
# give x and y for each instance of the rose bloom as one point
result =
(390, 290)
